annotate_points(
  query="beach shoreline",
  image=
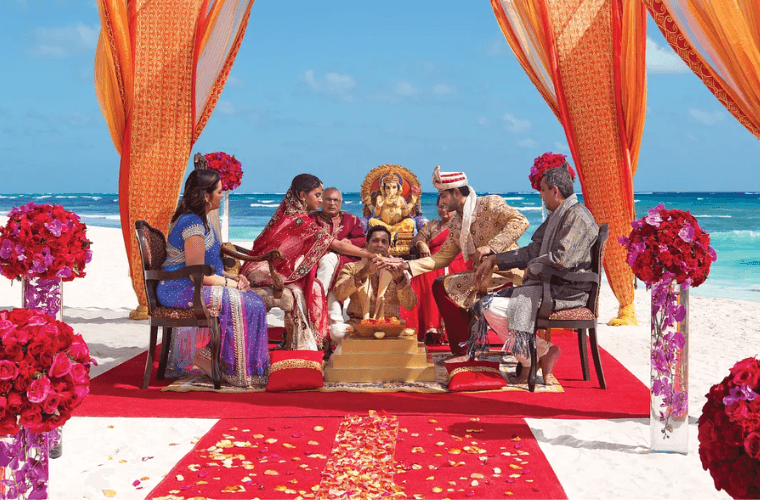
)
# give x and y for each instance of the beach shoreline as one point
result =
(592, 458)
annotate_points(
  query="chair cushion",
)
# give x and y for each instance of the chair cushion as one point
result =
(475, 376)
(171, 312)
(295, 370)
(575, 314)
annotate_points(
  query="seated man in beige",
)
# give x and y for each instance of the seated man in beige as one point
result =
(374, 292)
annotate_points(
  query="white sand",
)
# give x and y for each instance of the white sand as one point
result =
(592, 458)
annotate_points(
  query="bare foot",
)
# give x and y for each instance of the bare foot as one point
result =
(522, 379)
(548, 361)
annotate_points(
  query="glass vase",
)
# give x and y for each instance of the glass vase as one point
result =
(669, 376)
(224, 215)
(45, 295)
(24, 465)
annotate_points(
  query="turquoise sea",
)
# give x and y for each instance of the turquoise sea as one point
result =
(732, 219)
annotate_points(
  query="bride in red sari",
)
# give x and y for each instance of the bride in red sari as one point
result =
(425, 316)
(303, 242)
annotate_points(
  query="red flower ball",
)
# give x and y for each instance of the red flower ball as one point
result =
(229, 168)
(44, 371)
(544, 163)
(43, 241)
(729, 431)
(669, 245)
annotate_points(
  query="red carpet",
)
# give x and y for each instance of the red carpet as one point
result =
(116, 393)
(334, 457)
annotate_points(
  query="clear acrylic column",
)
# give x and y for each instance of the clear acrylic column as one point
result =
(669, 390)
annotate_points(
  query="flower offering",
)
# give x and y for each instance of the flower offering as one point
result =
(544, 163)
(43, 241)
(229, 169)
(729, 431)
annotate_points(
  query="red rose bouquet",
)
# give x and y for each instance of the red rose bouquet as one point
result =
(43, 241)
(544, 163)
(729, 431)
(229, 169)
(44, 371)
(669, 243)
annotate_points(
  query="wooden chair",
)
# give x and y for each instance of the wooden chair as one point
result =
(580, 319)
(152, 245)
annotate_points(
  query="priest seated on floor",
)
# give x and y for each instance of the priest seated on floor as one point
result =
(373, 292)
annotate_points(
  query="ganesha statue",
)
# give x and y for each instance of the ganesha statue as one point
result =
(391, 198)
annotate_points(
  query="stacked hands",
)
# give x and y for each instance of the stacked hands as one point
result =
(394, 265)
(484, 256)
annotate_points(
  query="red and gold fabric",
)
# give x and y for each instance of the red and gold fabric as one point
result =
(586, 58)
(720, 42)
(295, 371)
(159, 70)
(475, 376)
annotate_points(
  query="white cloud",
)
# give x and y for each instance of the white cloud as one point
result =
(65, 41)
(527, 143)
(561, 146)
(515, 124)
(663, 59)
(708, 118)
(443, 89)
(225, 107)
(484, 121)
(405, 89)
(333, 84)
(234, 82)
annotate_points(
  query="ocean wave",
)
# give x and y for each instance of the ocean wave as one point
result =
(738, 235)
(523, 209)
(8, 197)
(636, 201)
(265, 205)
(100, 216)
(721, 216)
(513, 197)
(42, 197)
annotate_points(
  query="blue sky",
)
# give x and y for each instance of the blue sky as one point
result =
(336, 88)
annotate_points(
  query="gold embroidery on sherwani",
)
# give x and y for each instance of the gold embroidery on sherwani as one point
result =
(495, 225)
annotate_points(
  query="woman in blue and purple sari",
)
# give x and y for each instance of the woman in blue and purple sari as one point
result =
(244, 354)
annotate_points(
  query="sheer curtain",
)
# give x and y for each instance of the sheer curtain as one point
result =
(159, 70)
(720, 42)
(586, 58)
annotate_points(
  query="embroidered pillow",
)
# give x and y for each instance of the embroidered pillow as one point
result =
(295, 370)
(475, 376)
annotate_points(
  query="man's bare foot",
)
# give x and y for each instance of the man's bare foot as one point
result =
(547, 363)
(522, 379)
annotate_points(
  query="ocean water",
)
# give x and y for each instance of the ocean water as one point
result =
(732, 219)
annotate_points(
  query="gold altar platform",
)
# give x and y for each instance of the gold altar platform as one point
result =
(367, 360)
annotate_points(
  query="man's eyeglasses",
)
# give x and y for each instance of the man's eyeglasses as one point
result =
(333, 200)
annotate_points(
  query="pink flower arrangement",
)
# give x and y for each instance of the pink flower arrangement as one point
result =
(729, 431)
(669, 243)
(544, 163)
(229, 168)
(43, 241)
(44, 371)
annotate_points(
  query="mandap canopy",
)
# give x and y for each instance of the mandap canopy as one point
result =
(586, 58)
(720, 42)
(159, 70)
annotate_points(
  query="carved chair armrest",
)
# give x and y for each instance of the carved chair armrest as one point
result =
(196, 274)
(270, 256)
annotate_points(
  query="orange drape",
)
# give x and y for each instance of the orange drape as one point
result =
(586, 58)
(720, 42)
(159, 70)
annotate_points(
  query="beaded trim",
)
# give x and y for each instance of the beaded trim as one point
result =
(288, 364)
(466, 369)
